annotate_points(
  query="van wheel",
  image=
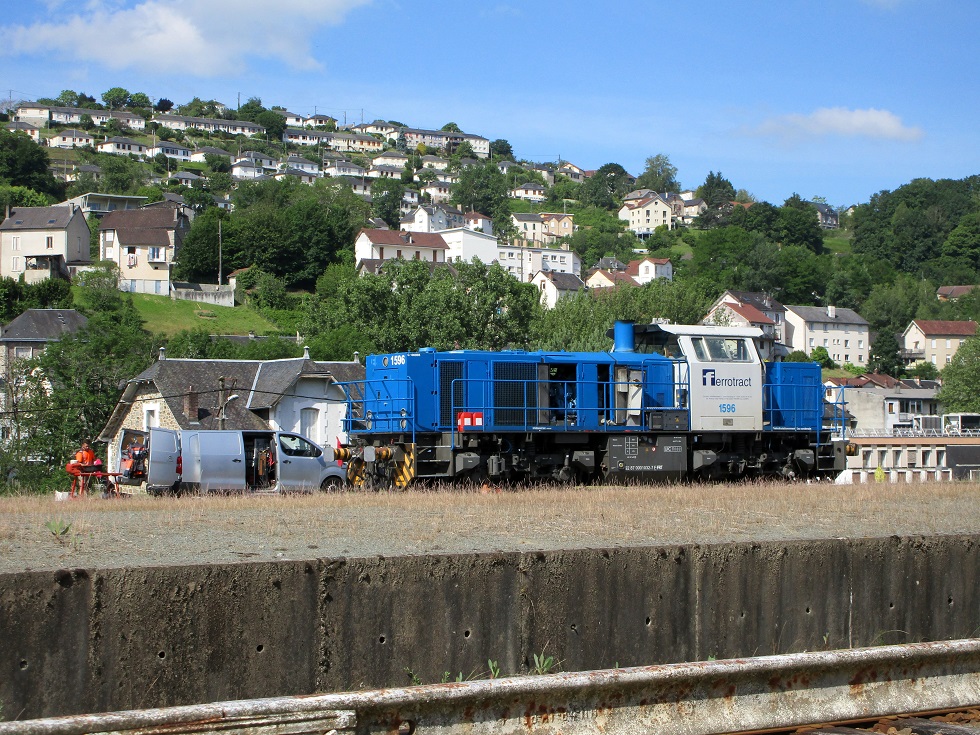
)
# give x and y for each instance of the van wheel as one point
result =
(332, 484)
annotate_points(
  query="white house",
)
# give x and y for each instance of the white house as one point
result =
(643, 216)
(199, 154)
(554, 286)
(70, 138)
(299, 163)
(381, 245)
(176, 151)
(843, 332)
(523, 262)
(432, 218)
(43, 242)
(31, 131)
(531, 192)
(438, 191)
(934, 340)
(479, 222)
(122, 146)
(343, 168)
(143, 243)
(645, 270)
(467, 245)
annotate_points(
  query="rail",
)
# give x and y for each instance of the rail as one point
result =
(704, 698)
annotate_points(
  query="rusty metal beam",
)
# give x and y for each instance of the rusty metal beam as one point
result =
(684, 699)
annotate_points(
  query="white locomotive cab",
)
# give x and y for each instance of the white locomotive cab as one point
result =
(726, 375)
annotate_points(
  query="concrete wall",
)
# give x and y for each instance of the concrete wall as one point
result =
(85, 641)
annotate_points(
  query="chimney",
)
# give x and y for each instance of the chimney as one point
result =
(357, 357)
(191, 405)
(832, 311)
(306, 353)
(163, 354)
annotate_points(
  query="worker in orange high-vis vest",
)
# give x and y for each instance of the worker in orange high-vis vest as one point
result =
(82, 462)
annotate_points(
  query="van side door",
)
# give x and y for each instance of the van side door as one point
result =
(301, 464)
(163, 452)
(219, 459)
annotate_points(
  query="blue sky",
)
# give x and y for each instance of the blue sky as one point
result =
(836, 98)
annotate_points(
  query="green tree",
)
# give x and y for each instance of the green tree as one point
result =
(163, 105)
(273, 122)
(386, 200)
(500, 150)
(21, 196)
(120, 174)
(798, 224)
(717, 191)
(68, 98)
(820, 356)
(24, 163)
(115, 98)
(451, 128)
(885, 355)
(964, 240)
(483, 188)
(139, 99)
(606, 187)
(659, 175)
(961, 379)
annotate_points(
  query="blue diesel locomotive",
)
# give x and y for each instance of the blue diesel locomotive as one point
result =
(666, 403)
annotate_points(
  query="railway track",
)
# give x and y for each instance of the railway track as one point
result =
(949, 722)
(849, 691)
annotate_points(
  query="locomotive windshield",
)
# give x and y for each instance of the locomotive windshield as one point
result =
(721, 349)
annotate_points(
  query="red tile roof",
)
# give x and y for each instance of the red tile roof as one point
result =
(633, 267)
(394, 237)
(946, 328)
(750, 314)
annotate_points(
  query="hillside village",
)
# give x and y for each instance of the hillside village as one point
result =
(172, 205)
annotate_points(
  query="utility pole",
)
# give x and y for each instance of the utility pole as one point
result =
(219, 252)
(221, 402)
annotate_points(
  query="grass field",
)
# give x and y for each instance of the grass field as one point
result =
(164, 315)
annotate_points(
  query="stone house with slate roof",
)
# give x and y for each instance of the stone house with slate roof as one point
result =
(43, 242)
(298, 395)
(26, 337)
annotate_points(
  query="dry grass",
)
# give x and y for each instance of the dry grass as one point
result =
(156, 531)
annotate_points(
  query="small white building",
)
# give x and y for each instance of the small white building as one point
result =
(554, 286)
(531, 192)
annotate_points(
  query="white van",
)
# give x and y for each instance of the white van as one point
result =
(234, 461)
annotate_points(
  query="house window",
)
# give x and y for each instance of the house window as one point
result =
(15, 243)
(156, 254)
(151, 416)
(15, 264)
(949, 343)
(22, 353)
(933, 344)
(949, 359)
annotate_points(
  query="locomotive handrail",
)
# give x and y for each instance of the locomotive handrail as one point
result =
(566, 413)
(401, 410)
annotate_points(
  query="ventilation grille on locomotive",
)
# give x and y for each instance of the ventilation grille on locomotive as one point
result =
(450, 394)
(515, 397)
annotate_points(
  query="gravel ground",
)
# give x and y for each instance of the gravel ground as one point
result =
(38, 533)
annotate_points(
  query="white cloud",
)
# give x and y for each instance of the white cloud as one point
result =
(182, 36)
(839, 121)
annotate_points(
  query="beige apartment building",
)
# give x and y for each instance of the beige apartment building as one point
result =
(935, 341)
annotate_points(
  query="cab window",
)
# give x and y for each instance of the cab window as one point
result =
(722, 349)
(297, 446)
